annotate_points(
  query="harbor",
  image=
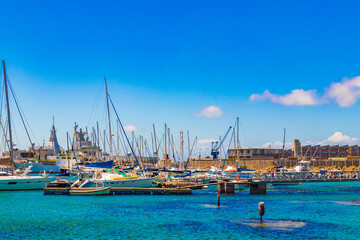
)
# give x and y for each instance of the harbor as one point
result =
(180, 120)
(187, 216)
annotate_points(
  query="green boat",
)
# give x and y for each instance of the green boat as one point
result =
(90, 191)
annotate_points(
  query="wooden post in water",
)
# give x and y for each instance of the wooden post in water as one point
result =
(218, 200)
(261, 210)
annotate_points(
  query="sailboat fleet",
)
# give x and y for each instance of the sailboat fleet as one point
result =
(47, 159)
(92, 166)
(95, 171)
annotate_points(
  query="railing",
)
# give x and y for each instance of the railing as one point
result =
(308, 176)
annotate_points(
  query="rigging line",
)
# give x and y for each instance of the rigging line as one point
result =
(160, 145)
(108, 143)
(138, 149)
(148, 150)
(95, 105)
(192, 148)
(5, 133)
(242, 129)
(127, 139)
(22, 119)
(22, 114)
(104, 118)
(102, 143)
(2, 96)
(123, 143)
(123, 148)
(176, 151)
(72, 150)
(16, 136)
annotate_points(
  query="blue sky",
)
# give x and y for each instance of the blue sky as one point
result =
(166, 61)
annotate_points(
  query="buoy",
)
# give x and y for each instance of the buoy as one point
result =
(237, 178)
(300, 183)
(261, 210)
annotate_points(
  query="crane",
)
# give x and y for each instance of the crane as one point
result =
(215, 146)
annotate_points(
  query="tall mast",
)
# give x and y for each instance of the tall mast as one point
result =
(8, 113)
(156, 147)
(118, 138)
(181, 150)
(104, 154)
(188, 135)
(107, 102)
(67, 144)
(283, 148)
(165, 147)
(237, 142)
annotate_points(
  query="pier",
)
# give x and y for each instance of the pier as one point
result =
(320, 176)
(126, 191)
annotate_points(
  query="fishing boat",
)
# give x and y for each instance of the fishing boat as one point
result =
(303, 166)
(10, 180)
(90, 191)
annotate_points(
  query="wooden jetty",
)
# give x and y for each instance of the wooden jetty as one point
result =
(126, 191)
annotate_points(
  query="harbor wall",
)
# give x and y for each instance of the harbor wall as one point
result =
(206, 163)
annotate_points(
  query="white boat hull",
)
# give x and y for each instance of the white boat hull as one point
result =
(23, 183)
(122, 183)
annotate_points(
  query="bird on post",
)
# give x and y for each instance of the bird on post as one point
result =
(261, 210)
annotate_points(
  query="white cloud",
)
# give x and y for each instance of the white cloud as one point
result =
(339, 138)
(336, 138)
(267, 145)
(297, 97)
(130, 128)
(346, 92)
(211, 111)
(277, 145)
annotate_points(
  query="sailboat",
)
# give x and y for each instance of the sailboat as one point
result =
(11, 181)
(113, 177)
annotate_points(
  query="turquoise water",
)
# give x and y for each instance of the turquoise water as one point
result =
(312, 210)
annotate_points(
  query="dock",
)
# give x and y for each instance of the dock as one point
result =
(126, 191)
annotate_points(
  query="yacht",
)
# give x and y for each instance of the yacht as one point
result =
(114, 178)
(22, 181)
(10, 180)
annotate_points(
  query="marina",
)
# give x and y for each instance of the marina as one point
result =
(295, 212)
(180, 120)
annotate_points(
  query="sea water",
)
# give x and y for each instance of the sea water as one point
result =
(307, 211)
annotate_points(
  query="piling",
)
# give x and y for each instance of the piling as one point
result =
(257, 188)
(261, 210)
(218, 198)
(226, 188)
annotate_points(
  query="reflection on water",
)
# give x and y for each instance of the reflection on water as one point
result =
(283, 225)
(210, 206)
(355, 203)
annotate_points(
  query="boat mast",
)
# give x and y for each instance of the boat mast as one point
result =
(68, 151)
(8, 113)
(237, 142)
(107, 102)
(156, 147)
